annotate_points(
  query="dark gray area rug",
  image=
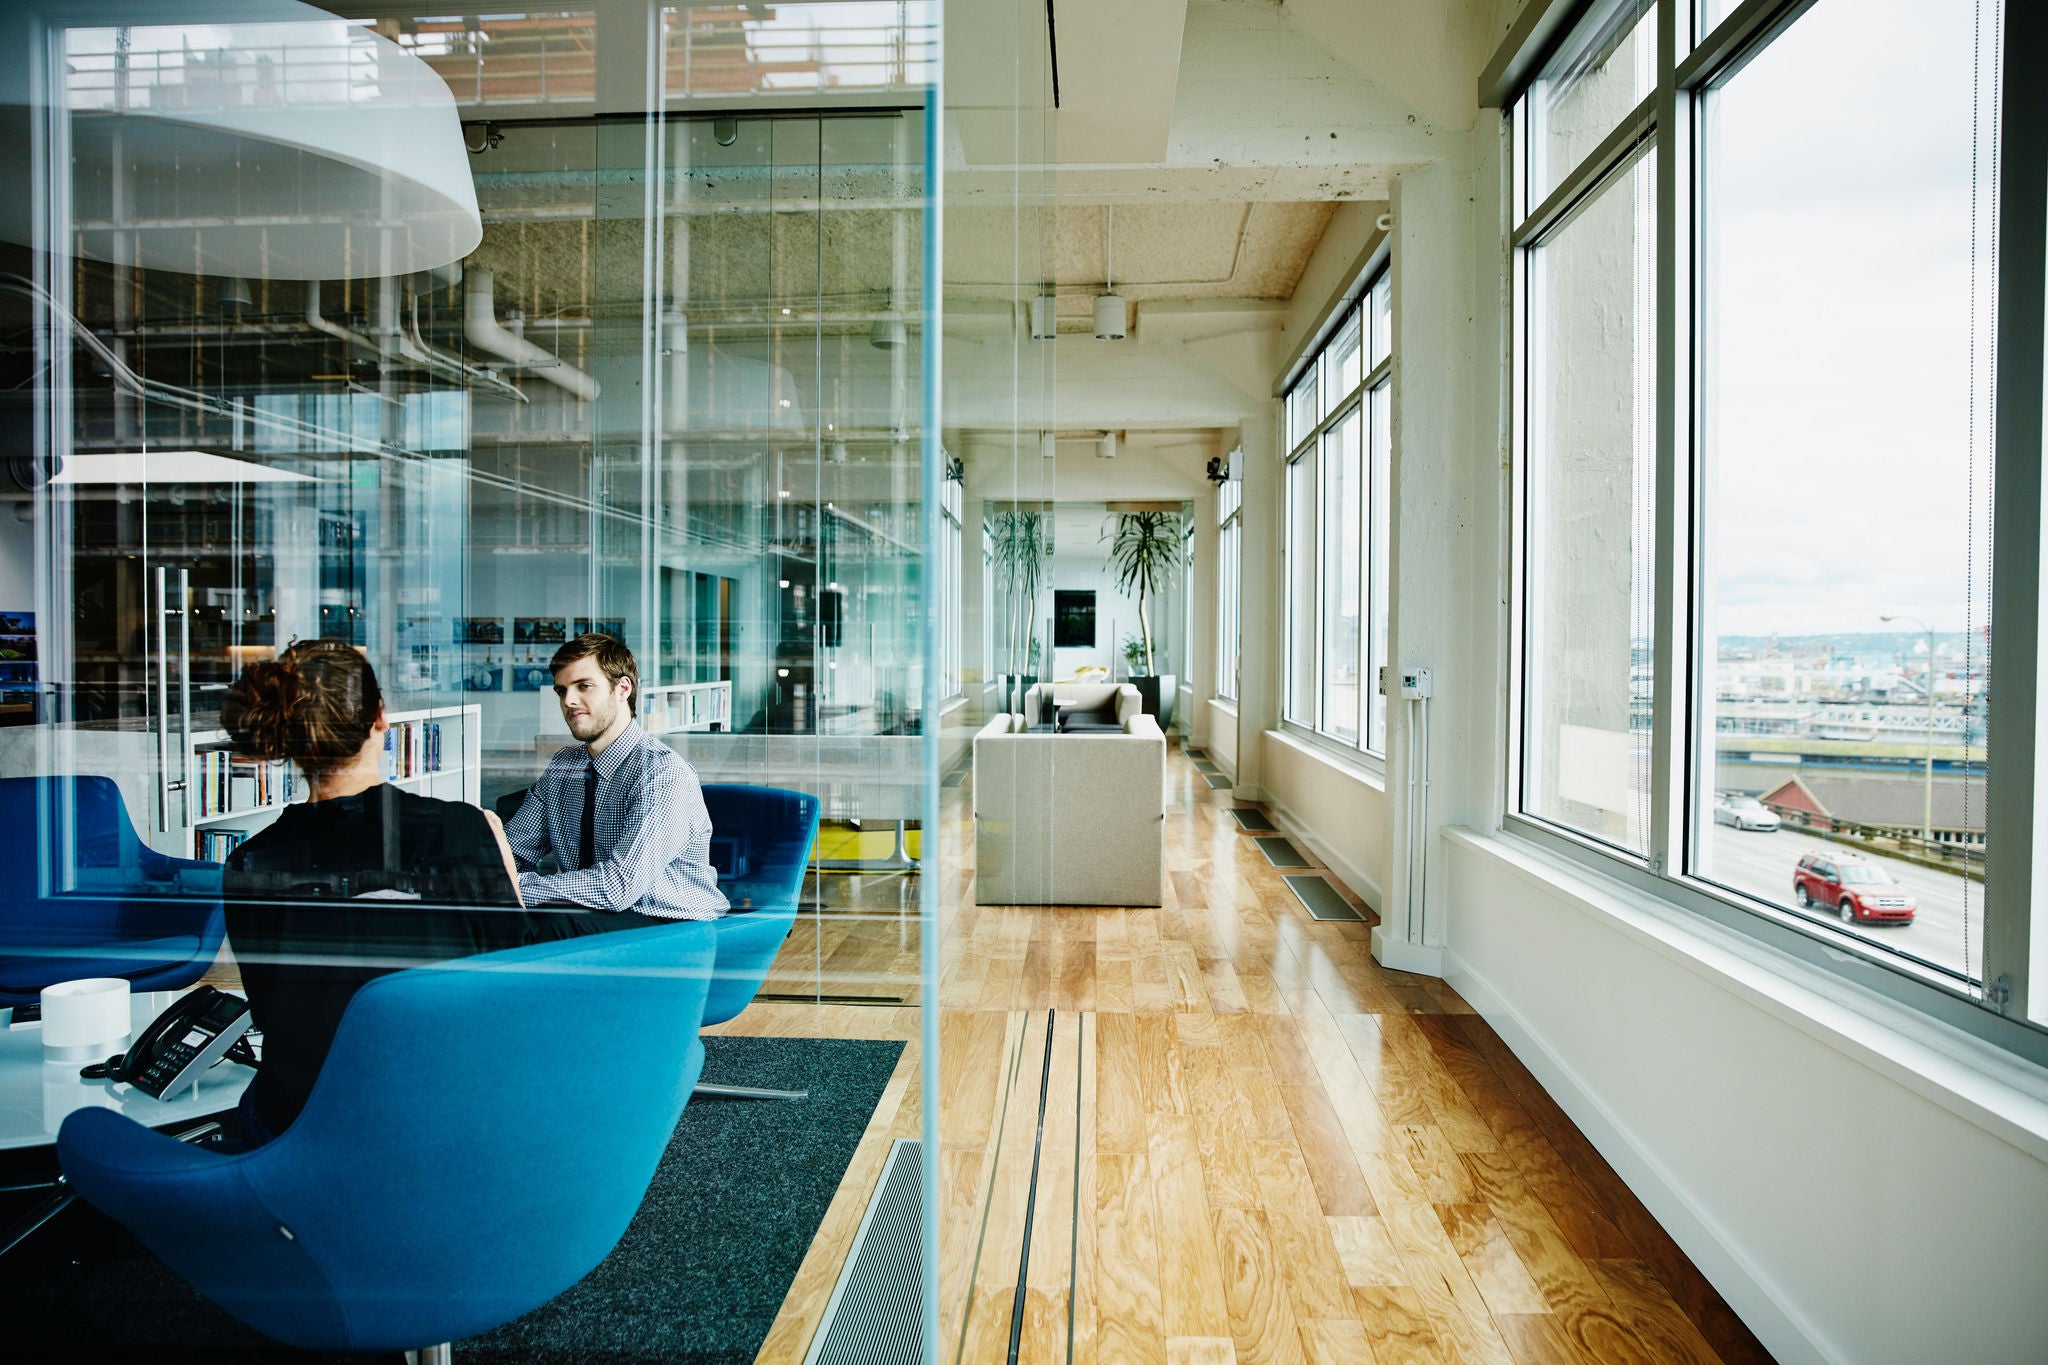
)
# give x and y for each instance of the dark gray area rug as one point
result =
(697, 1279)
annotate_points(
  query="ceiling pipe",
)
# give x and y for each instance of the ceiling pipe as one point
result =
(483, 331)
(334, 329)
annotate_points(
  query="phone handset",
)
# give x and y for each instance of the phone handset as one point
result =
(197, 1031)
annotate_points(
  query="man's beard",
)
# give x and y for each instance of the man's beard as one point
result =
(594, 722)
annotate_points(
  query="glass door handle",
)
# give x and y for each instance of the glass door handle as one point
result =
(165, 783)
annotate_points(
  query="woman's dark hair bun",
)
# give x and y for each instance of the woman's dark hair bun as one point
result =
(258, 707)
(316, 702)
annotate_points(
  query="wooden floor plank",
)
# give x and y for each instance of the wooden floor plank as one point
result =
(1259, 1144)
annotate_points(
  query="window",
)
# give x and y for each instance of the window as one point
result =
(1588, 501)
(1338, 417)
(1753, 600)
(1229, 574)
(1884, 650)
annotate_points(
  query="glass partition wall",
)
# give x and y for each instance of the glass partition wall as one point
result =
(430, 336)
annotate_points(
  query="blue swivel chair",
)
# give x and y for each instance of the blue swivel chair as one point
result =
(420, 1197)
(762, 839)
(133, 912)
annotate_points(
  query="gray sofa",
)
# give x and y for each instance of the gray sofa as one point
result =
(1069, 819)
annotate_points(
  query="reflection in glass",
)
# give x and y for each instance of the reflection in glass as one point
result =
(1343, 575)
(1302, 598)
(1604, 70)
(1847, 634)
(1590, 499)
(1379, 502)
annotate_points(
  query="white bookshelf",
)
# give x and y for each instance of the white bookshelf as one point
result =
(686, 707)
(433, 752)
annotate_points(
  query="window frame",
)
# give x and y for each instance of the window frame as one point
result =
(1354, 319)
(1667, 122)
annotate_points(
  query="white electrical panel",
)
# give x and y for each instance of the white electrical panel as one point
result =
(1414, 683)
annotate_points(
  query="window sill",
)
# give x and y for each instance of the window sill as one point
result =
(1367, 768)
(1982, 1084)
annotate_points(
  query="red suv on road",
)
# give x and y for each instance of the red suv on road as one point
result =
(1856, 889)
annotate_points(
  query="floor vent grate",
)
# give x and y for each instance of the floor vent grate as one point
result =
(1217, 781)
(1281, 853)
(1321, 900)
(1252, 820)
(873, 1315)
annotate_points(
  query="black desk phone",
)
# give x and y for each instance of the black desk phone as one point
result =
(198, 1030)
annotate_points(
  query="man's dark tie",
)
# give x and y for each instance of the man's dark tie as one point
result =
(588, 847)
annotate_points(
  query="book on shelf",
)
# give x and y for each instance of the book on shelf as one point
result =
(412, 748)
(225, 782)
(214, 845)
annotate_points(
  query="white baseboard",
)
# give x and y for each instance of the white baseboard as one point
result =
(1357, 879)
(1402, 956)
(1781, 1328)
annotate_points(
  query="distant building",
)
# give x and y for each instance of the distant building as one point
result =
(1889, 804)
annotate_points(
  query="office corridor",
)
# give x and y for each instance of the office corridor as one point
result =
(1230, 1134)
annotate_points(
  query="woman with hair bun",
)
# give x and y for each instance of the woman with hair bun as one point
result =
(310, 900)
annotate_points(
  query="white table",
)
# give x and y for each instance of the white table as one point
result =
(36, 1095)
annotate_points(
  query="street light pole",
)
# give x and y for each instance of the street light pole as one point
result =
(1927, 806)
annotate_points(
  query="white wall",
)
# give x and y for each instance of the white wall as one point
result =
(1217, 732)
(1855, 1195)
(1338, 811)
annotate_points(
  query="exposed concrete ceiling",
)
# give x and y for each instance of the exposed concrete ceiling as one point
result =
(1262, 108)
(1147, 251)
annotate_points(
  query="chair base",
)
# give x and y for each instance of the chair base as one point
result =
(705, 1089)
(430, 1355)
(25, 1226)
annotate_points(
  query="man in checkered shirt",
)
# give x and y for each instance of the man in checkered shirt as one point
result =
(622, 812)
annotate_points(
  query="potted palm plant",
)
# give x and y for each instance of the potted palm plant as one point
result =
(1018, 546)
(1145, 549)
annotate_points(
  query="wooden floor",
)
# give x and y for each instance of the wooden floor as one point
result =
(1231, 1135)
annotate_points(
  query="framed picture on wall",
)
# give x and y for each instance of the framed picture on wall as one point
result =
(1073, 618)
(539, 630)
(479, 630)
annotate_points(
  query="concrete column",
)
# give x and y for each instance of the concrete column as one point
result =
(1198, 671)
(1432, 601)
(1262, 608)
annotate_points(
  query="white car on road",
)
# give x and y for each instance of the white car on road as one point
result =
(1745, 812)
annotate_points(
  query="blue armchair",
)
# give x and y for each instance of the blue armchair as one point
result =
(133, 912)
(761, 841)
(420, 1198)
(762, 846)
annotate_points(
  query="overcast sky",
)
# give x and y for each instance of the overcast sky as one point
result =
(1840, 202)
